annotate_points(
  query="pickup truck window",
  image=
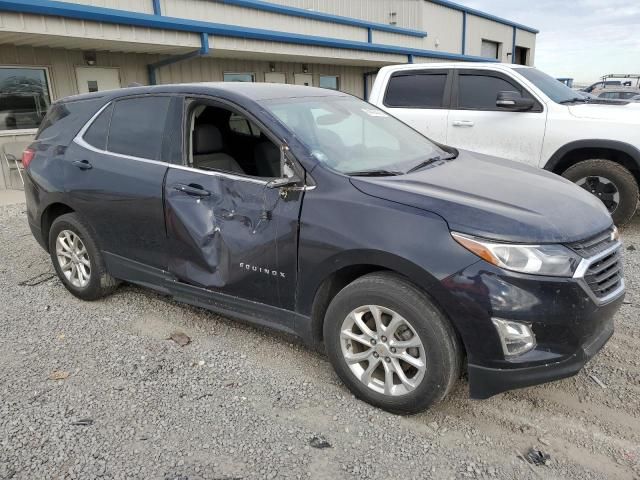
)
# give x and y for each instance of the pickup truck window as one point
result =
(416, 91)
(350, 135)
(479, 92)
(552, 88)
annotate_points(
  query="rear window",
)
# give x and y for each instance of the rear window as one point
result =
(416, 91)
(137, 126)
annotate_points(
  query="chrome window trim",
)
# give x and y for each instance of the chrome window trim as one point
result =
(586, 263)
(79, 140)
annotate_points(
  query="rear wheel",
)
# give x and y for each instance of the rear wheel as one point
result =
(390, 345)
(609, 181)
(77, 259)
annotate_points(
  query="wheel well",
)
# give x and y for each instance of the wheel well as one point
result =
(52, 212)
(587, 153)
(329, 289)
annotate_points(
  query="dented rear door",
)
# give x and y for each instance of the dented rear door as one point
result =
(232, 234)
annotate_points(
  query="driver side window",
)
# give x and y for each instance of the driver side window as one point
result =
(227, 141)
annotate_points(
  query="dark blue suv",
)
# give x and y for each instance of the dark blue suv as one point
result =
(312, 212)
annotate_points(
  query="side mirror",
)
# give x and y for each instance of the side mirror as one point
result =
(514, 102)
(284, 182)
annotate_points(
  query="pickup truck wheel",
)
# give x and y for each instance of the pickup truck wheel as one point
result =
(77, 259)
(390, 345)
(610, 182)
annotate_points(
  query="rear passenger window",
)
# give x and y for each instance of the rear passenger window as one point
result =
(137, 126)
(96, 134)
(416, 91)
(480, 92)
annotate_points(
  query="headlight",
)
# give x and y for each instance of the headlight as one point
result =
(551, 260)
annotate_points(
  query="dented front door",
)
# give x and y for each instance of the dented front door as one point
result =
(231, 234)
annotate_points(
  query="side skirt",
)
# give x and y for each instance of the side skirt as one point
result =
(164, 282)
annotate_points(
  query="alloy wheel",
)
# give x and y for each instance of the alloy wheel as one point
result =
(383, 350)
(604, 189)
(73, 258)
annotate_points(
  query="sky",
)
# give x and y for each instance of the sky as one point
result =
(580, 39)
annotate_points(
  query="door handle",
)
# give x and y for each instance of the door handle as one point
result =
(462, 123)
(192, 189)
(82, 164)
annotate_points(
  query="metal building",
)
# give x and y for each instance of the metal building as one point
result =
(50, 49)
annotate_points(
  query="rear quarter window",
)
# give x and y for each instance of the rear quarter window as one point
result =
(65, 119)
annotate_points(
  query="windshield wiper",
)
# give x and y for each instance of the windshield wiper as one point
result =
(373, 173)
(575, 100)
(429, 161)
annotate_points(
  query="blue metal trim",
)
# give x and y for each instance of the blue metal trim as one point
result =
(122, 17)
(327, 17)
(410, 58)
(481, 14)
(153, 67)
(370, 35)
(464, 33)
(513, 47)
(157, 9)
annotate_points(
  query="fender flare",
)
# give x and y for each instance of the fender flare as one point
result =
(623, 147)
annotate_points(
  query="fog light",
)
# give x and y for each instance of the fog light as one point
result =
(516, 338)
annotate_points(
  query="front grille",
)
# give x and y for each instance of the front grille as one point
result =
(605, 275)
(594, 245)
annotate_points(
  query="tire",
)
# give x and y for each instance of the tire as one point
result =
(395, 298)
(622, 180)
(67, 254)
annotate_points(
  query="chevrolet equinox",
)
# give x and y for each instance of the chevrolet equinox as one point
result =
(317, 214)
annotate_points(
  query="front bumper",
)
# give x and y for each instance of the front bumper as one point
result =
(570, 327)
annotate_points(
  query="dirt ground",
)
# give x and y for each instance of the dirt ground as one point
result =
(95, 390)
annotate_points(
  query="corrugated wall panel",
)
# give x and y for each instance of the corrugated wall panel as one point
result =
(211, 11)
(479, 29)
(445, 28)
(143, 6)
(408, 12)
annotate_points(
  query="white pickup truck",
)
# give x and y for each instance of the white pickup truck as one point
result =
(522, 114)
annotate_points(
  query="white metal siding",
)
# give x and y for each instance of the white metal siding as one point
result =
(142, 6)
(527, 40)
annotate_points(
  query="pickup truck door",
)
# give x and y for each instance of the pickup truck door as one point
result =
(420, 98)
(476, 124)
(230, 233)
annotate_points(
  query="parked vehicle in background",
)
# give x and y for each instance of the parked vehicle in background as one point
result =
(626, 93)
(522, 114)
(313, 212)
(614, 80)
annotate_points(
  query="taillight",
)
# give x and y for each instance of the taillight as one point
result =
(27, 156)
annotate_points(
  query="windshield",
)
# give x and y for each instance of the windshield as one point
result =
(552, 88)
(350, 135)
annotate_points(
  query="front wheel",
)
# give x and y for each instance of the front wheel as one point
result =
(609, 181)
(390, 345)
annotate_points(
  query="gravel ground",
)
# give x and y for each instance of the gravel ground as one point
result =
(238, 402)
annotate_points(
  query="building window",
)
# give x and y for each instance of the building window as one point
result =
(239, 77)
(329, 81)
(24, 97)
(490, 49)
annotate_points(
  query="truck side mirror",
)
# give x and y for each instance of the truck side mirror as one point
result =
(514, 102)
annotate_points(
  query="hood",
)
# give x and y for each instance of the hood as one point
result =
(624, 112)
(495, 198)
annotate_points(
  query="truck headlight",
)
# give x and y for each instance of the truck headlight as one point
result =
(516, 337)
(551, 260)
